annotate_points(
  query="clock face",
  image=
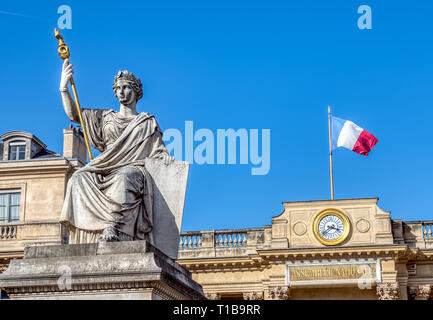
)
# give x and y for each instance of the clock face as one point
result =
(331, 227)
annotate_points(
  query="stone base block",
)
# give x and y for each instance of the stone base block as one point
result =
(111, 270)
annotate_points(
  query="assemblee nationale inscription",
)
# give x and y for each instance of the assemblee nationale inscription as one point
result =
(332, 272)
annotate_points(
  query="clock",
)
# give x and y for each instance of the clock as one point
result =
(331, 227)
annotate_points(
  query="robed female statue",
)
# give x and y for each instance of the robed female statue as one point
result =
(111, 198)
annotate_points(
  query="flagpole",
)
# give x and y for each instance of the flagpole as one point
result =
(330, 153)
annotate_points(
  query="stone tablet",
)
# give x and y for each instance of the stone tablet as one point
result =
(169, 188)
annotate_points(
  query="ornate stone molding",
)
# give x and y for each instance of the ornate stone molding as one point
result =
(422, 292)
(387, 291)
(3, 267)
(162, 290)
(118, 268)
(212, 296)
(255, 295)
(278, 293)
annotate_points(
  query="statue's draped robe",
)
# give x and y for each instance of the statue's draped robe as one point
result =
(114, 189)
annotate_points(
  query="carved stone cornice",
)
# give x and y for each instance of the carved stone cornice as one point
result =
(422, 255)
(255, 295)
(421, 292)
(222, 264)
(387, 291)
(56, 166)
(278, 293)
(312, 253)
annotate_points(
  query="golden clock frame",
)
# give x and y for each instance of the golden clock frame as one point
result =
(346, 226)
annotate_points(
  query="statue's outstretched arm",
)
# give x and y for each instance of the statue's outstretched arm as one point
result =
(68, 102)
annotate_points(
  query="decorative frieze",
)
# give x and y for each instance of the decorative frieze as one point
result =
(255, 295)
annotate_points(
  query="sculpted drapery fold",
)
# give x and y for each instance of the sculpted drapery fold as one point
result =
(115, 189)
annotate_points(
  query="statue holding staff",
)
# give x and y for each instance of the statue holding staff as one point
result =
(111, 198)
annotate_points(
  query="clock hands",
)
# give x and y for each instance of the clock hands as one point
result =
(338, 229)
(329, 228)
(326, 231)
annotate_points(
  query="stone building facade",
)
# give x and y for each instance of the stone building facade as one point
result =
(376, 257)
(380, 258)
(32, 188)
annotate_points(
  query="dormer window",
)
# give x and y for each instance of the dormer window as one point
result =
(20, 145)
(17, 151)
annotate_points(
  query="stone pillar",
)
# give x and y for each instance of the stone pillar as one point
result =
(387, 291)
(74, 146)
(279, 233)
(422, 292)
(208, 239)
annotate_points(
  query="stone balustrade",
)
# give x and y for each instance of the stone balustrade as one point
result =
(220, 242)
(14, 236)
(8, 231)
(190, 240)
(418, 234)
(231, 238)
(427, 229)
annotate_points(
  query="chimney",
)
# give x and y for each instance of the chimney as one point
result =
(74, 146)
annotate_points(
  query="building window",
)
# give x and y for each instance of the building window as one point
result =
(17, 152)
(10, 207)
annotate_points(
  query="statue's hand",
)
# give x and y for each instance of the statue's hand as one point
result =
(166, 159)
(67, 72)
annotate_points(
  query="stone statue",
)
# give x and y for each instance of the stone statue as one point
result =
(111, 198)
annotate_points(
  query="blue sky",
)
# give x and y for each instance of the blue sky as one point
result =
(245, 64)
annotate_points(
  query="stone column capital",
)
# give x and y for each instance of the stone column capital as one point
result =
(278, 293)
(255, 295)
(387, 291)
(421, 292)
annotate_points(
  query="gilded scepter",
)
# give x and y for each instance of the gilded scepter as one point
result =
(64, 54)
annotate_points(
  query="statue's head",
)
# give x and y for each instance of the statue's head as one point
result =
(127, 87)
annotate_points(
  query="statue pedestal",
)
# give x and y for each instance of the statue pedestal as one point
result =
(111, 270)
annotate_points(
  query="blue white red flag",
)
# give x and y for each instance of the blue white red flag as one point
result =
(345, 133)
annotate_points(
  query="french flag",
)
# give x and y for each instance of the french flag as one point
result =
(345, 133)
